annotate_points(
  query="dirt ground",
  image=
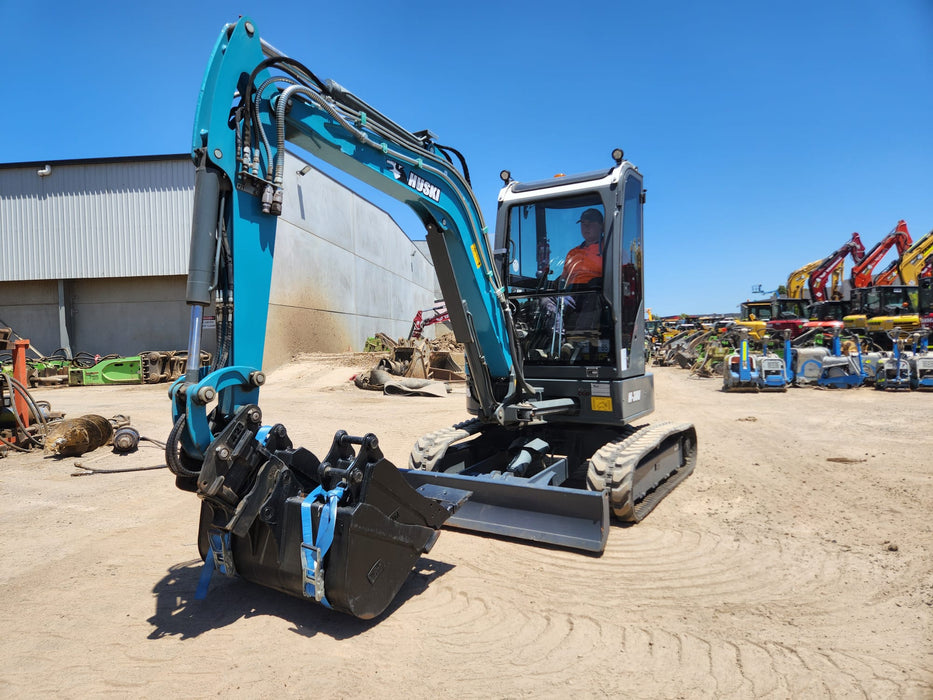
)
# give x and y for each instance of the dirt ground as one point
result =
(795, 563)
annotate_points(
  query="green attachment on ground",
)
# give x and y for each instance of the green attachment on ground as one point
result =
(121, 370)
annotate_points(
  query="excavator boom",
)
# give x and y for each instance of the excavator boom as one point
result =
(916, 260)
(797, 280)
(821, 275)
(898, 237)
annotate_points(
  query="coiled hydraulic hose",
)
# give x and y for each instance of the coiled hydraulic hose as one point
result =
(14, 386)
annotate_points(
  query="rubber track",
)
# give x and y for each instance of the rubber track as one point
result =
(613, 466)
(432, 447)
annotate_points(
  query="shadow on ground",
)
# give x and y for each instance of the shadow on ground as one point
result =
(179, 614)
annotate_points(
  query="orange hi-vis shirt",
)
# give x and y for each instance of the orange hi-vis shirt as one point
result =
(583, 264)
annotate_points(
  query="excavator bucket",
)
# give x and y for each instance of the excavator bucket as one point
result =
(345, 531)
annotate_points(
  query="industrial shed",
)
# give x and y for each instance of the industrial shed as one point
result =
(95, 257)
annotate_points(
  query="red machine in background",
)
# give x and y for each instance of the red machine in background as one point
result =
(438, 315)
(862, 273)
(820, 277)
(912, 264)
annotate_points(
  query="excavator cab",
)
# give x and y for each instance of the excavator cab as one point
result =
(560, 311)
(569, 252)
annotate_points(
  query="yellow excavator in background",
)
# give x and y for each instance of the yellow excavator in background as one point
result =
(907, 268)
(892, 299)
(797, 280)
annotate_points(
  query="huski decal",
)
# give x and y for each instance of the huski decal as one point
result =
(416, 182)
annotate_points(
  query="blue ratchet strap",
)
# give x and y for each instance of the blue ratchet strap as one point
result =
(219, 556)
(263, 434)
(313, 549)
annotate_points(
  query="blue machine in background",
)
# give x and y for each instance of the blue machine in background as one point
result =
(921, 361)
(894, 371)
(740, 369)
(841, 371)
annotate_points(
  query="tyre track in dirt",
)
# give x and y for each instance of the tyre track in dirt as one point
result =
(500, 638)
(736, 618)
(670, 568)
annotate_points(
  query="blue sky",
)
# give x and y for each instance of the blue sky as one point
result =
(767, 132)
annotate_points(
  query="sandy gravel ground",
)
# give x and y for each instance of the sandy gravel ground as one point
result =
(795, 563)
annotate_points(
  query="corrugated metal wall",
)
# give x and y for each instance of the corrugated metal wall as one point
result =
(110, 218)
(116, 231)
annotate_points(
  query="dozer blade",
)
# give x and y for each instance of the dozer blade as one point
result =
(565, 517)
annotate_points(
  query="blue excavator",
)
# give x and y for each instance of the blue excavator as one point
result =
(552, 326)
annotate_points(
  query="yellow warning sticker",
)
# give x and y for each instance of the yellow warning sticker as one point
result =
(600, 403)
(475, 254)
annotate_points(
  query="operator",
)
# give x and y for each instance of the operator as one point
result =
(584, 263)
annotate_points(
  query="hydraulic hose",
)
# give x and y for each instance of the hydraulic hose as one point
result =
(84, 360)
(474, 213)
(172, 453)
(256, 101)
(15, 386)
(463, 163)
(13, 445)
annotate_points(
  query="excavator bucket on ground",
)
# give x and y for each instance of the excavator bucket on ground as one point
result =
(344, 531)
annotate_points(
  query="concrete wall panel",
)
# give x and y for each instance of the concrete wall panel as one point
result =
(319, 205)
(109, 291)
(125, 328)
(376, 296)
(342, 264)
(382, 243)
(295, 330)
(28, 293)
(309, 272)
(129, 316)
